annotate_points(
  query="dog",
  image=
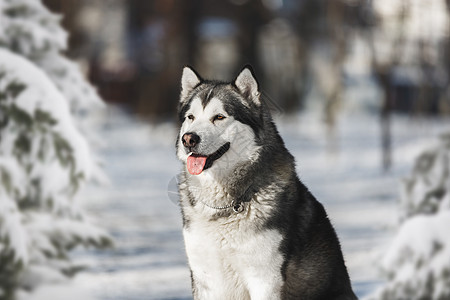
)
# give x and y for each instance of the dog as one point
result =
(252, 230)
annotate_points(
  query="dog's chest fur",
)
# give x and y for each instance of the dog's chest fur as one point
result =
(232, 257)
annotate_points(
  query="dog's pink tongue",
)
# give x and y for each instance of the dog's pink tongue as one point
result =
(195, 164)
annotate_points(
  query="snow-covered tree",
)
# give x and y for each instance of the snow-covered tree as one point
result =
(31, 30)
(44, 157)
(427, 189)
(417, 263)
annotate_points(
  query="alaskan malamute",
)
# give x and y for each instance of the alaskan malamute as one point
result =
(252, 230)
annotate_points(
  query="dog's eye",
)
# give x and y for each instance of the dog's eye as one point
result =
(191, 117)
(218, 117)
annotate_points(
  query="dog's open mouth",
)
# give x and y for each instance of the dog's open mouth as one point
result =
(196, 163)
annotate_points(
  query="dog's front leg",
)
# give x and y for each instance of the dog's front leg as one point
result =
(200, 290)
(260, 263)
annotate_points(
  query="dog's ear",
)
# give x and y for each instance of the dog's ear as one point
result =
(247, 85)
(189, 80)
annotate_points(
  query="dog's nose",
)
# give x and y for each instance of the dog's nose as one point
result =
(190, 139)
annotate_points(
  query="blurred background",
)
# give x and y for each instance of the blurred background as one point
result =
(133, 50)
(360, 92)
(393, 56)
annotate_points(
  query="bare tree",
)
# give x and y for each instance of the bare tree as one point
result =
(383, 69)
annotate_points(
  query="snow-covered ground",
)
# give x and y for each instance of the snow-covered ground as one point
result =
(137, 208)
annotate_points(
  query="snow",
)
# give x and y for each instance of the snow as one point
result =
(44, 157)
(11, 227)
(67, 76)
(61, 291)
(429, 178)
(420, 250)
(421, 232)
(44, 161)
(139, 210)
(28, 28)
(417, 262)
(42, 94)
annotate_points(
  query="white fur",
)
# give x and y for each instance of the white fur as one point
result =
(231, 258)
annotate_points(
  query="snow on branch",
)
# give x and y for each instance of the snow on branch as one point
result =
(417, 263)
(44, 161)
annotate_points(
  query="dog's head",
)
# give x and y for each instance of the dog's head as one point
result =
(220, 122)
